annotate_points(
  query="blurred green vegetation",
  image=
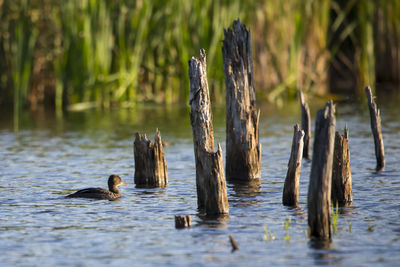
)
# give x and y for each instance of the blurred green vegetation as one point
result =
(83, 53)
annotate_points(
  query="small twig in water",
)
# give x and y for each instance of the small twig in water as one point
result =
(233, 243)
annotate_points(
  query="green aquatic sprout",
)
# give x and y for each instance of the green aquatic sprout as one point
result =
(350, 227)
(370, 227)
(335, 217)
(268, 236)
(286, 227)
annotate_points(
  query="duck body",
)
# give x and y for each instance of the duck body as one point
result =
(99, 193)
(96, 193)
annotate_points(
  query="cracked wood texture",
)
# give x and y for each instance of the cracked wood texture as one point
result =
(375, 115)
(319, 190)
(243, 150)
(305, 125)
(291, 188)
(210, 179)
(150, 164)
(341, 170)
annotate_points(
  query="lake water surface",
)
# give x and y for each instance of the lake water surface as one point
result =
(50, 157)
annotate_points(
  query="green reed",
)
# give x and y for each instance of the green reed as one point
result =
(137, 51)
(106, 52)
(20, 44)
(268, 235)
(294, 54)
(335, 217)
(286, 227)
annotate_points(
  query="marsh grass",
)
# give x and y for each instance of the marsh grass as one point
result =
(22, 40)
(109, 52)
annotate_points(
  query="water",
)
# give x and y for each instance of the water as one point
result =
(50, 157)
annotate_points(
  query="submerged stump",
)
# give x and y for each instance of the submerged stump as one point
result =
(341, 170)
(150, 164)
(319, 190)
(375, 115)
(210, 179)
(243, 150)
(291, 188)
(182, 221)
(305, 125)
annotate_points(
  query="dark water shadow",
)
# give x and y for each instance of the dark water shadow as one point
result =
(297, 211)
(143, 186)
(375, 171)
(349, 210)
(245, 188)
(322, 253)
(212, 221)
(149, 191)
(320, 244)
(244, 192)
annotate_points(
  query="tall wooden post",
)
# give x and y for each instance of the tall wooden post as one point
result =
(305, 125)
(319, 190)
(375, 115)
(341, 170)
(150, 164)
(243, 150)
(210, 179)
(291, 188)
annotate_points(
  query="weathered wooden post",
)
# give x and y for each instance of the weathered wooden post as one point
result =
(210, 178)
(305, 125)
(243, 150)
(150, 164)
(375, 115)
(341, 170)
(291, 188)
(319, 190)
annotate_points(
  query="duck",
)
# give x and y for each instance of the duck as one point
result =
(112, 193)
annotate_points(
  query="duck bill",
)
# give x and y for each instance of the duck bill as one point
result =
(124, 184)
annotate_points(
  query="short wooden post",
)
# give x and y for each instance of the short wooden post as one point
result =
(305, 125)
(341, 170)
(182, 221)
(291, 188)
(319, 190)
(375, 115)
(150, 164)
(210, 179)
(243, 150)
